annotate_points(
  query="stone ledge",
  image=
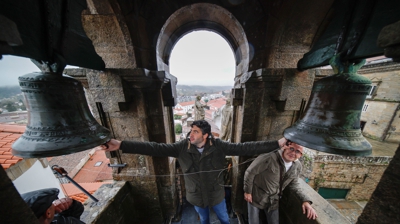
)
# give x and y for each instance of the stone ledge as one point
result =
(291, 211)
(114, 205)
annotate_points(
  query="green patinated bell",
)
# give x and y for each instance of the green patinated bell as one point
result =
(59, 119)
(331, 121)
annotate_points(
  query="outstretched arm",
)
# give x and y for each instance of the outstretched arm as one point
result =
(309, 211)
(144, 148)
(250, 148)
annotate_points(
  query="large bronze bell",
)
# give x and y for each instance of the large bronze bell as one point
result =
(331, 121)
(59, 119)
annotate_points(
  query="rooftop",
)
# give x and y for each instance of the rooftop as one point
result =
(9, 133)
(75, 193)
(90, 172)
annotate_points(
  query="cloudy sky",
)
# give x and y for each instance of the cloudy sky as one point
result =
(12, 67)
(203, 58)
(199, 58)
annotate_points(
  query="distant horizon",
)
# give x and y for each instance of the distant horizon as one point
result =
(5, 86)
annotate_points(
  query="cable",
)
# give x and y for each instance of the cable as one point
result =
(184, 174)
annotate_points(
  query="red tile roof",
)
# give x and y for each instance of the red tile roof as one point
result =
(217, 103)
(91, 173)
(187, 103)
(9, 133)
(74, 192)
(81, 197)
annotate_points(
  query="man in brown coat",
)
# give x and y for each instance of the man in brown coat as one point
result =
(267, 176)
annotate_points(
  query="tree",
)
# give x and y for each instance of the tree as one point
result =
(11, 107)
(178, 128)
(177, 117)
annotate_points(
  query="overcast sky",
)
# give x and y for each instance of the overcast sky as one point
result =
(11, 67)
(199, 58)
(203, 58)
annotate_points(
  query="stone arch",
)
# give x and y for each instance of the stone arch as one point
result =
(203, 16)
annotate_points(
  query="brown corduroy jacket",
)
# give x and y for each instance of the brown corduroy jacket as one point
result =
(262, 180)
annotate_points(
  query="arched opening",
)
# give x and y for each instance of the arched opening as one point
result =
(204, 64)
(203, 16)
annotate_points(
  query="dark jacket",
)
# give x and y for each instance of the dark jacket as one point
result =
(202, 188)
(261, 180)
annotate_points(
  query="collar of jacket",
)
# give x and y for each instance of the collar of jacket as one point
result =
(208, 145)
(209, 140)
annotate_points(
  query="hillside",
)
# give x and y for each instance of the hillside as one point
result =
(182, 90)
(186, 90)
(9, 91)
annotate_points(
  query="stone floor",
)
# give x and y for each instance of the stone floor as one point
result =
(349, 209)
(383, 148)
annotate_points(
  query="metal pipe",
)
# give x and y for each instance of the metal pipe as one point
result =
(62, 173)
(81, 188)
(117, 165)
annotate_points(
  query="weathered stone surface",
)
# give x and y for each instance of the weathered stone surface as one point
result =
(117, 204)
(109, 36)
(389, 35)
(13, 208)
(358, 174)
(383, 205)
(381, 108)
(291, 210)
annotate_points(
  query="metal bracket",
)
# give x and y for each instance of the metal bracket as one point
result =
(117, 165)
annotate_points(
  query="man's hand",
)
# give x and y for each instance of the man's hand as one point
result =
(311, 214)
(111, 145)
(282, 142)
(248, 197)
(62, 204)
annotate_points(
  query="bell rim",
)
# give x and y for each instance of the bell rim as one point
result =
(37, 153)
(298, 139)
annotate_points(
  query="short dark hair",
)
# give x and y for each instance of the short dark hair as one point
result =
(288, 142)
(203, 125)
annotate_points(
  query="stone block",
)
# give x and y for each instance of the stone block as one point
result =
(112, 43)
(125, 126)
(106, 88)
(118, 204)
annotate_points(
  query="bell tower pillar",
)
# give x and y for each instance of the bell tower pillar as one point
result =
(136, 104)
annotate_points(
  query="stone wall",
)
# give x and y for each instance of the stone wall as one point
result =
(358, 174)
(383, 207)
(379, 116)
(381, 108)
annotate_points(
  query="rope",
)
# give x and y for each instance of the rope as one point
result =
(184, 174)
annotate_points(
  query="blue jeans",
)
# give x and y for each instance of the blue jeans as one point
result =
(219, 209)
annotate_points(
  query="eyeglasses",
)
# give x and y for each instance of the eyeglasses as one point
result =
(296, 151)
